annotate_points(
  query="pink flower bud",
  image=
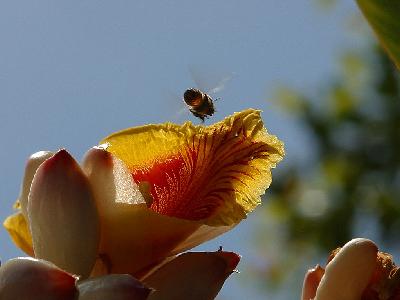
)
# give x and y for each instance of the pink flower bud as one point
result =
(62, 215)
(28, 278)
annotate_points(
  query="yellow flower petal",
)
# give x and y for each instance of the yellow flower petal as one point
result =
(213, 174)
(18, 229)
(133, 237)
(200, 235)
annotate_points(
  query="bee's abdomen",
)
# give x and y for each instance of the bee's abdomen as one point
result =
(193, 97)
(207, 107)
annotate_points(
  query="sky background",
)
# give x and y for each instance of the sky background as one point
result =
(72, 72)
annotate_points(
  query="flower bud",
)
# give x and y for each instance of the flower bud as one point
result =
(28, 278)
(63, 216)
(348, 273)
(33, 163)
(192, 275)
(115, 286)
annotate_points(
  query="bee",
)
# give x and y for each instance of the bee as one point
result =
(200, 104)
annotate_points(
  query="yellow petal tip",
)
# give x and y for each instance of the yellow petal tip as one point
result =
(18, 229)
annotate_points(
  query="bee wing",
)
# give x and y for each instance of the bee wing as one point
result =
(221, 84)
(177, 108)
(182, 110)
(199, 80)
(209, 84)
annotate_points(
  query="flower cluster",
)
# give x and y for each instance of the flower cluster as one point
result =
(114, 226)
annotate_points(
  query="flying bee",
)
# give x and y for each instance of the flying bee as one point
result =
(200, 104)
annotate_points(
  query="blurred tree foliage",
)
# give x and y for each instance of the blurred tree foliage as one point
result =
(351, 184)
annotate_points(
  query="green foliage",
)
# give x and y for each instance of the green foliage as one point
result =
(384, 17)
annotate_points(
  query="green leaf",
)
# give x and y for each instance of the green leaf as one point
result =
(384, 17)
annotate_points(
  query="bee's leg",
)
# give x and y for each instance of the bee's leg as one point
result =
(196, 114)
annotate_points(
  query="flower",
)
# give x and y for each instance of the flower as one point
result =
(143, 195)
(357, 271)
(197, 276)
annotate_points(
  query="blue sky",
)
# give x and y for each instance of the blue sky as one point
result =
(71, 72)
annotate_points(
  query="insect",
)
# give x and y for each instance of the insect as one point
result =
(200, 104)
(199, 100)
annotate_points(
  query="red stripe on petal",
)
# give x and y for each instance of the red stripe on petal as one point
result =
(195, 183)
